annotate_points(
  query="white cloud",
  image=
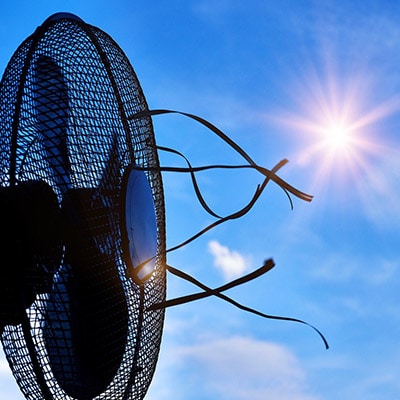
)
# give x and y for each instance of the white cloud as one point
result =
(346, 267)
(230, 262)
(241, 368)
(4, 368)
(384, 271)
(9, 387)
(380, 190)
(337, 268)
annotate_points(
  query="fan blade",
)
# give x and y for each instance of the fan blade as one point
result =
(31, 243)
(52, 113)
(110, 172)
(87, 300)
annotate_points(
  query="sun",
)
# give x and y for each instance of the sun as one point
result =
(338, 136)
(335, 125)
(337, 147)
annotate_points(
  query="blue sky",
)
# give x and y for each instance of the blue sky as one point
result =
(276, 76)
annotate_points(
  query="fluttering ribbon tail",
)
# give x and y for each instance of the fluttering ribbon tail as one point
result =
(268, 175)
(284, 185)
(207, 291)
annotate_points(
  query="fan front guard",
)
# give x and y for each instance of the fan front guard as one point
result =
(74, 323)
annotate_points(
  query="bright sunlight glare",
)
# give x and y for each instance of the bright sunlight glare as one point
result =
(338, 135)
(337, 127)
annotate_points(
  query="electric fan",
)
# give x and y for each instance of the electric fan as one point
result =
(82, 301)
(83, 229)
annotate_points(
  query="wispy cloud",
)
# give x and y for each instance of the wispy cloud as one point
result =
(231, 263)
(9, 387)
(4, 368)
(242, 368)
(380, 190)
(343, 268)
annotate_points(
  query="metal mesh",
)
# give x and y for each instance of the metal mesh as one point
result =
(64, 101)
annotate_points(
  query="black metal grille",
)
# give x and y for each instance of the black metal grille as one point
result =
(64, 101)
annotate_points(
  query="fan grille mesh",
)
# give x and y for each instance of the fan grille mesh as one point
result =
(100, 89)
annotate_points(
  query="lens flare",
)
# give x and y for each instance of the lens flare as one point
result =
(338, 136)
(338, 128)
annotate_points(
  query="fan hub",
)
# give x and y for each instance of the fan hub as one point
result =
(31, 242)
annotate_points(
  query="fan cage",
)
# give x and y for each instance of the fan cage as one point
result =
(103, 90)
